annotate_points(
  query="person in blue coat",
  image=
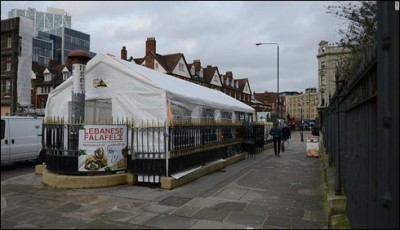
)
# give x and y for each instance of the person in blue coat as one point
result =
(276, 133)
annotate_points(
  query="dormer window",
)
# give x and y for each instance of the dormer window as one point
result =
(201, 73)
(181, 66)
(47, 77)
(237, 84)
(192, 71)
(65, 74)
(232, 83)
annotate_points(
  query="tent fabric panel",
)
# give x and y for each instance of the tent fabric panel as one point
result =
(140, 107)
(189, 92)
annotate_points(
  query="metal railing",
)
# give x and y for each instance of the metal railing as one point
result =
(361, 132)
(154, 149)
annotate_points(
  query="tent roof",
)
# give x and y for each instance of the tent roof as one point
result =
(181, 89)
(139, 92)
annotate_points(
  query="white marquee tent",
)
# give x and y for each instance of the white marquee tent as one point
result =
(118, 89)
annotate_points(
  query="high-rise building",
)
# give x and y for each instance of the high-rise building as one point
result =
(70, 40)
(43, 21)
(49, 40)
(43, 46)
(16, 64)
(58, 26)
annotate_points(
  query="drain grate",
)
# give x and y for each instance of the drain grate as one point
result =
(175, 201)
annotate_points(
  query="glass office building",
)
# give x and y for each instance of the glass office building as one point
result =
(42, 49)
(43, 21)
(71, 40)
(53, 28)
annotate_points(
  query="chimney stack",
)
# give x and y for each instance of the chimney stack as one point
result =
(151, 45)
(124, 53)
(197, 64)
(229, 75)
(150, 48)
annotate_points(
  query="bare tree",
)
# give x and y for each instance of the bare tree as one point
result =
(361, 20)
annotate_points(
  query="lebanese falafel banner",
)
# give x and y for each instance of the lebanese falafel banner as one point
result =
(103, 148)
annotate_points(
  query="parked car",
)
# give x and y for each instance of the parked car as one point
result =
(312, 122)
(21, 139)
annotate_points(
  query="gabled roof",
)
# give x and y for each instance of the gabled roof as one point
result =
(209, 72)
(168, 62)
(172, 60)
(54, 68)
(242, 84)
(138, 61)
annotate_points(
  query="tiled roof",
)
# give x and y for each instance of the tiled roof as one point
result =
(242, 83)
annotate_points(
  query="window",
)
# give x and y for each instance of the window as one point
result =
(8, 64)
(323, 65)
(9, 41)
(322, 80)
(156, 65)
(5, 41)
(208, 114)
(180, 112)
(47, 77)
(192, 70)
(181, 66)
(5, 88)
(226, 116)
(65, 75)
(45, 89)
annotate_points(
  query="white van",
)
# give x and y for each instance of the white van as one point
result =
(21, 138)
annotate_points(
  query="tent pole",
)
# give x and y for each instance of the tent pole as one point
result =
(166, 135)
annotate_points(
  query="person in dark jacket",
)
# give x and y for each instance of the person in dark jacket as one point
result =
(286, 135)
(276, 133)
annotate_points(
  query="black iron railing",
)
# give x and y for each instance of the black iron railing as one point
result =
(361, 131)
(156, 151)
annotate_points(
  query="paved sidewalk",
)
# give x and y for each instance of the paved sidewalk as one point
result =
(260, 192)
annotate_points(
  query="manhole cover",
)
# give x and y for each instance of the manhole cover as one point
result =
(175, 201)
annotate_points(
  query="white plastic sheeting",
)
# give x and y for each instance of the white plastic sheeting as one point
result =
(141, 94)
(25, 62)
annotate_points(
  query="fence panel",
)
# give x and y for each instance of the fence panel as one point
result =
(361, 130)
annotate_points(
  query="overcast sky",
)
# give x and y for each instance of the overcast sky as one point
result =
(221, 34)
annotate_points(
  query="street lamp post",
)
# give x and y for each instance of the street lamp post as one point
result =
(309, 106)
(301, 122)
(277, 53)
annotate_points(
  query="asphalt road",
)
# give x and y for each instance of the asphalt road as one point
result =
(16, 169)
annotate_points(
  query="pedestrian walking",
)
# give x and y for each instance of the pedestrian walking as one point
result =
(293, 127)
(276, 133)
(286, 135)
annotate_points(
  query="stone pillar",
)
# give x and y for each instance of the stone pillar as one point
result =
(78, 59)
